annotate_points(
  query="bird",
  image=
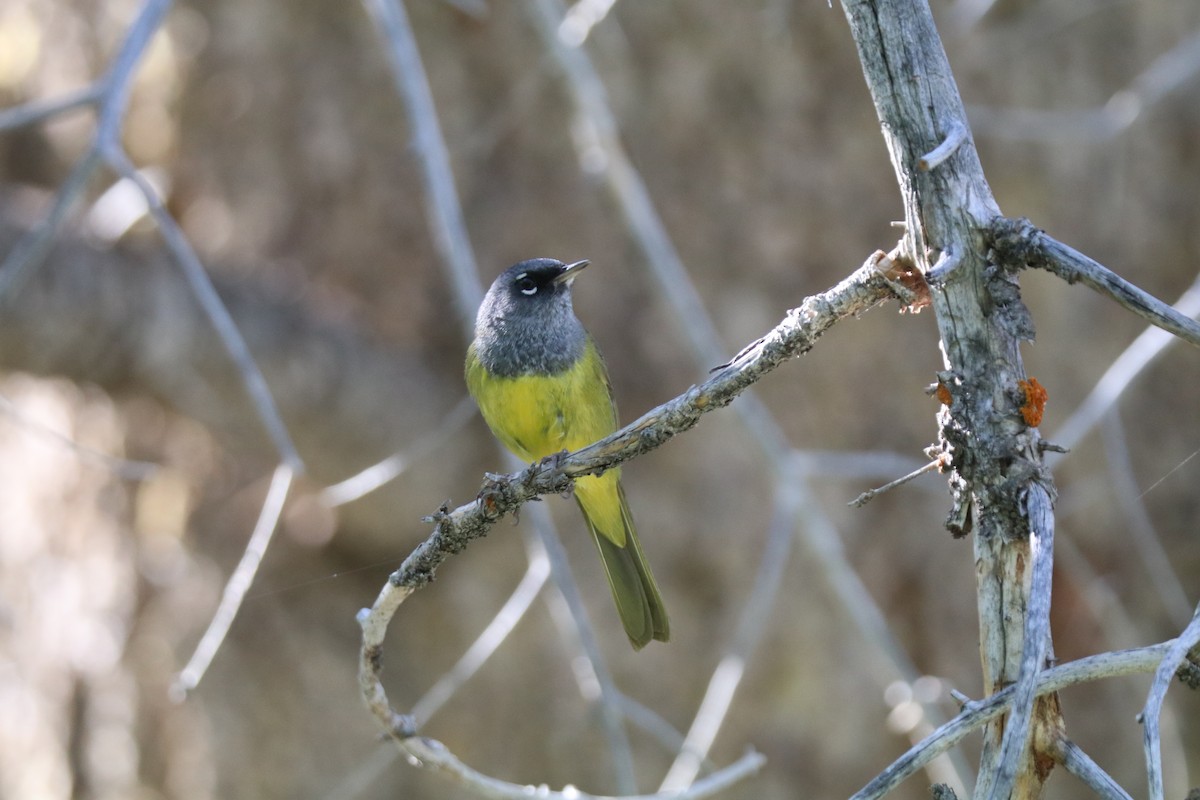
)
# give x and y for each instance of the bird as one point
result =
(542, 388)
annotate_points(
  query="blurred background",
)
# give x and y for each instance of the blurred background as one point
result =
(132, 467)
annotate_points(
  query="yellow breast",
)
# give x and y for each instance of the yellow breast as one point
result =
(538, 415)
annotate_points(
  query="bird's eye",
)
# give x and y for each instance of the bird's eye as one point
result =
(527, 285)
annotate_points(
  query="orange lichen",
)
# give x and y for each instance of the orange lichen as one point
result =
(1035, 402)
(942, 393)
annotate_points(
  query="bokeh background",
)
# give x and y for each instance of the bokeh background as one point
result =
(278, 137)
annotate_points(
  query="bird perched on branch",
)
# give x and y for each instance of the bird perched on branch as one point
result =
(542, 387)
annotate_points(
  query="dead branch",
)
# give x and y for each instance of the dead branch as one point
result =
(1019, 243)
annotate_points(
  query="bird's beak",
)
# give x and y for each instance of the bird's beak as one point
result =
(570, 271)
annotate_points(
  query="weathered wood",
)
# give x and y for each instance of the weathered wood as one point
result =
(993, 451)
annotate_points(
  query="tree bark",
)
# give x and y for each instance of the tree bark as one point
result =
(994, 452)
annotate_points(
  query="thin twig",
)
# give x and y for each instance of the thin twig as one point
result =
(121, 467)
(1081, 765)
(1018, 243)
(488, 641)
(433, 754)
(210, 302)
(33, 113)
(34, 244)
(955, 137)
(446, 218)
(751, 627)
(392, 467)
(592, 674)
(1151, 343)
(113, 95)
(239, 583)
(871, 494)
(1171, 661)
(1166, 74)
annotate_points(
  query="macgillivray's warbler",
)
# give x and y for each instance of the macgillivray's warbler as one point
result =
(542, 387)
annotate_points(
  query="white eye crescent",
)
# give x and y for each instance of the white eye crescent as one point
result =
(526, 284)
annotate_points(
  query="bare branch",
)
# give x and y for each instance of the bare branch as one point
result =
(1172, 660)
(871, 494)
(1016, 746)
(433, 754)
(1018, 243)
(752, 625)
(31, 249)
(33, 113)
(238, 584)
(1165, 75)
(1151, 343)
(390, 468)
(113, 95)
(216, 311)
(955, 138)
(445, 216)
(976, 714)
(1081, 765)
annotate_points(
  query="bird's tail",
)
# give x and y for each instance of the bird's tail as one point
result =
(639, 603)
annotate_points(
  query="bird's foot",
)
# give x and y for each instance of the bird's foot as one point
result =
(553, 461)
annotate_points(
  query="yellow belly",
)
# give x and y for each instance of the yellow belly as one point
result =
(538, 415)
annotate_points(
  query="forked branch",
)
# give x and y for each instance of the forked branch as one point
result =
(1019, 242)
